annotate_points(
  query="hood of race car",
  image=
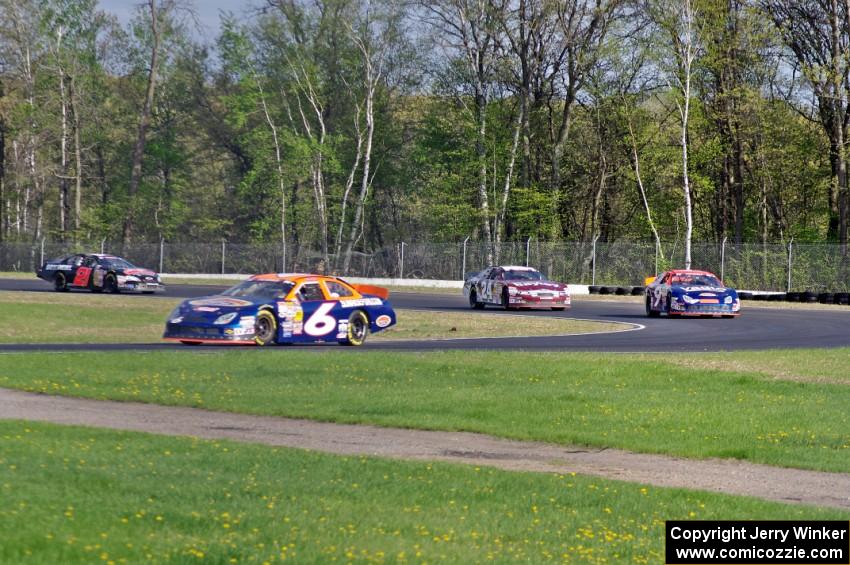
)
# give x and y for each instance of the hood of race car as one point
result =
(524, 286)
(210, 308)
(704, 293)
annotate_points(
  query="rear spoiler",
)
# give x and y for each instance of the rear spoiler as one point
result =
(378, 291)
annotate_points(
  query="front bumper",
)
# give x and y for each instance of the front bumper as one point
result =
(130, 286)
(526, 301)
(207, 334)
(703, 310)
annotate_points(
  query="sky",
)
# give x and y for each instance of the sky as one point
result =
(207, 11)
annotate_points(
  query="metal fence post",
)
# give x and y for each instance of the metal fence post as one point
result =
(723, 259)
(401, 263)
(102, 246)
(42, 253)
(656, 257)
(161, 252)
(527, 250)
(790, 245)
(223, 244)
(593, 262)
(463, 268)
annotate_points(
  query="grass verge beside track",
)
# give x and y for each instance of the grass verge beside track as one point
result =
(77, 495)
(86, 318)
(630, 401)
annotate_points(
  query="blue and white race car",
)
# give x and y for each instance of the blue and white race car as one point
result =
(691, 293)
(283, 308)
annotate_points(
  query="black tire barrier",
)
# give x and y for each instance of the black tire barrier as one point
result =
(809, 296)
(841, 298)
(593, 289)
(745, 295)
(826, 298)
(638, 290)
(793, 296)
(605, 290)
(760, 297)
(777, 297)
(623, 291)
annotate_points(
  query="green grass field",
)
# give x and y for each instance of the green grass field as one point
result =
(78, 495)
(625, 401)
(89, 318)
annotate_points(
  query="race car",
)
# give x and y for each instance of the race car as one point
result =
(283, 308)
(99, 272)
(515, 287)
(690, 293)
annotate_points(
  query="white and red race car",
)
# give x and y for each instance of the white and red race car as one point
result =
(515, 287)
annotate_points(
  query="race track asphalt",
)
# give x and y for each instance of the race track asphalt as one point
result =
(756, 328)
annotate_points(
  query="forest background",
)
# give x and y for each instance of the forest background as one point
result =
(341, 126)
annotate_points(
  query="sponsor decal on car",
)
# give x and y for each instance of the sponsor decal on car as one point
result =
(383, 321)
(355, 302)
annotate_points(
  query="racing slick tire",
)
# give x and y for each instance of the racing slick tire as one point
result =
(265, 328)
(506, 299)
(110, 284)
(650, 313)
(841, 298)
(668, 307)
(358, 329)
(473, 301)
(60, 283)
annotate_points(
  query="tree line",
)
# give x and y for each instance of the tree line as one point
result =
(338, 126)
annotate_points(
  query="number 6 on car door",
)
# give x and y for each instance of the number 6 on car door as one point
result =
(321, 322)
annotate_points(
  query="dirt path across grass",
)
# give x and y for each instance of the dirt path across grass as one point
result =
(724, 476)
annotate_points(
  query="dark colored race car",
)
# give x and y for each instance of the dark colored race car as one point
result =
(99, 272)
(283, 308)
(690, 293)
(515, 287)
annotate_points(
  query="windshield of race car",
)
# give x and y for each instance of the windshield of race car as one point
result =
(523, 275)
(696, 280)
(260, 289)
(116, 263)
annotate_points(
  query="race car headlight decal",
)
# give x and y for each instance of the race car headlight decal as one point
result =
(226, 318)
(689, 300)
(728, 300)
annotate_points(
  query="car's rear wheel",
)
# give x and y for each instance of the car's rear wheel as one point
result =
(649, 311)
(358, 329)
(473, 300)
(60, 283)
(265, 328)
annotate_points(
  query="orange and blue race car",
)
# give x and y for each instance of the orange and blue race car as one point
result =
(690, 293)
(283, 308)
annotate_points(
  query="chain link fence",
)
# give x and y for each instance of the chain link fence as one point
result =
(777, 267)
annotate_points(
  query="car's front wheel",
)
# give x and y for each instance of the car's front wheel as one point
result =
(265, 328)
(650, 313)
(358, 329)
(506, 299)
(110, 284)
(60, 283)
